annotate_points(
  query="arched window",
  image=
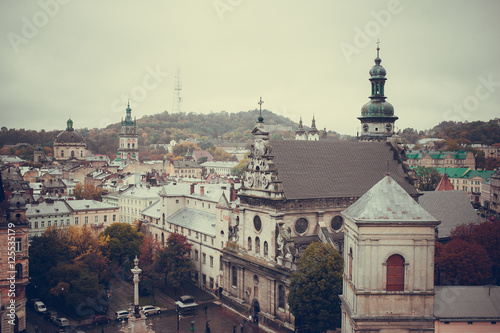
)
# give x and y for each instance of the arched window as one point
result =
(257, 245)
(281, 296)
(350, 263)
(249, 243)
(266, 249)
(163, 218)
(395, 273)
(235, 276)
(72, 153)
(162, 239)
(62, 153)
(19, 271)
(221, 266)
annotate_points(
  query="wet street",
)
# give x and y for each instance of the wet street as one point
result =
(220, 319)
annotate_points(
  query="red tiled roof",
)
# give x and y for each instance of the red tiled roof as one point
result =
(197, 154)
(445, 184)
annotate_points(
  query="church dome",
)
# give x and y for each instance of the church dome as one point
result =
(377, 108)
(69, 135)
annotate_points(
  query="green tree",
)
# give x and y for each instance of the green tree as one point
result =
(241, 166)
(427, 178)
(173, 260)
(123, 242)
(315, 288)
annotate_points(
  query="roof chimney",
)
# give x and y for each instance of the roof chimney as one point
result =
(232, 193)
(202, 190)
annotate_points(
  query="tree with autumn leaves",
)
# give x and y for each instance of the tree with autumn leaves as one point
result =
(472, 257)
(68, 269)
(173, 261)
(87, 191)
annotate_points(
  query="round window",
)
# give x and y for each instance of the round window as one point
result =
(337, 222)
(257, 223)
(301, 225)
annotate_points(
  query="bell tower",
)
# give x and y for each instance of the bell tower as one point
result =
(129, 139)
(377, 116)
(389, 263)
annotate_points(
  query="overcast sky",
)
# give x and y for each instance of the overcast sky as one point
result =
(81, 59)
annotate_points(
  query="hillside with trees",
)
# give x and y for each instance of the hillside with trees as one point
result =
(155, 129)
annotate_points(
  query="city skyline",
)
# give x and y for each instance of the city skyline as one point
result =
(83, 61)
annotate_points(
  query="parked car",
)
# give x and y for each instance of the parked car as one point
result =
(51, 315)
(121, 315)
(39, 306)
(151, 310)
(61, 322)
(101, 319)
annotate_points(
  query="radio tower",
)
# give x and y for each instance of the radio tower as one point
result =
(177, 102)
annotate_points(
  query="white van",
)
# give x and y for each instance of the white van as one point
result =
(39, 306)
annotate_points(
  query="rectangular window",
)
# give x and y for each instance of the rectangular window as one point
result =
(19, 244)
(196, 255)
(212, 240)
(77, 220)
(67, 222)
(204, 279)
(114, 217)
(211, 283)
(36, 225)
(211, 261)
(204, 258)
(42, 224)
(204, 238)
(49, 223)
(105, 218)
(177, 201)
(189, 232)
(55, 223)
(96, 219)
(86, 219)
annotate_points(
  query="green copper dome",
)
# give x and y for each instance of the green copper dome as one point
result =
(377, 106)
(377, 109)
(377, 70)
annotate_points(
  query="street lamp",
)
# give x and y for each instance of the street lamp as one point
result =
(177, 315)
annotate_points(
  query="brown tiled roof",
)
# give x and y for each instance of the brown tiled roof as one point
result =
(197, 154)
(329, 169)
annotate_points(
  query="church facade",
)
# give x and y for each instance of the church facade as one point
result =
(292, 194)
